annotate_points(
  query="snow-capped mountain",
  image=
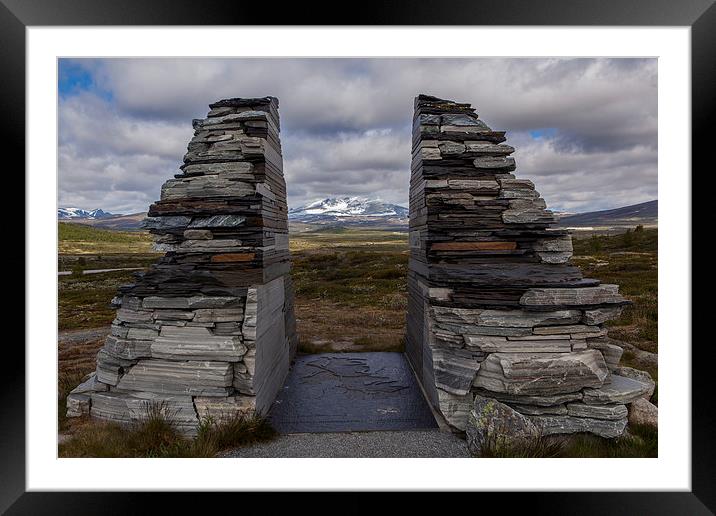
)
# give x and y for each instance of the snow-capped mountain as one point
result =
(78, 213)
(349, 210)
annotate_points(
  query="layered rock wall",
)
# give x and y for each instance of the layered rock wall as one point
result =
(495, 308)
(208, 330)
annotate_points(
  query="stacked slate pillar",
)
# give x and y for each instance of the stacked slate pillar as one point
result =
(495, 309)
(207, 331)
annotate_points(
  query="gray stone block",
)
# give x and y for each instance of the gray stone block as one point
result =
(196, 343)
(199, 378)
(642, 412)
(534, 344)
(78, 404)
(611, 352)
(549, 425)
(545, 297)
(244, 372)
(597, 411)
(128, 349)
(218, 221)
(639, 376)
(454, 408)
(223, 410)
(127, 408)
(541, 374)
(110, 368)
(541, 401)
(537, 410)
(496, 425)
(189, 303)
(602, 315)
(454, 370)
(618, 389)
(503, 318)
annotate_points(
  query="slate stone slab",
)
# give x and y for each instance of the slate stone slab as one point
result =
(618, 389)
(543, 374)
(550, 425)
(348, 392)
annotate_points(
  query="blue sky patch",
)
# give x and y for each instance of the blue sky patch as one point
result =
(543, 132)
(74, 78)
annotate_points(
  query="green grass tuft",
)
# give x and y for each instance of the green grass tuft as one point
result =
(156, 436)
(640, 441)
(232, 433)
(539, 447)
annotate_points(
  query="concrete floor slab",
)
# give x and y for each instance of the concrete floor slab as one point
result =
(350, 392)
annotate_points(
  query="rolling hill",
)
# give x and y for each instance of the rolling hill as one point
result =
(645, 213)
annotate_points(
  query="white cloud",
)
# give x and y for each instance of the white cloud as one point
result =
(346, 123)
(577, 181)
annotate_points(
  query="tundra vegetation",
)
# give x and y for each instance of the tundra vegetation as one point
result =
(350, 288)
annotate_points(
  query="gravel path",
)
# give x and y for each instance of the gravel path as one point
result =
(413, 443)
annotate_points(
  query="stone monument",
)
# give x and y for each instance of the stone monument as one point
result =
(499, 322)
(495, 309)
(207, 331)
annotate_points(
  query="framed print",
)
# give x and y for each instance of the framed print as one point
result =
(423, 238)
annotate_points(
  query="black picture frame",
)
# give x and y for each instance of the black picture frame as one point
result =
(16, 15)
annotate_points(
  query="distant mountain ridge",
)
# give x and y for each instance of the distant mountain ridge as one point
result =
(101, 219)
(645, 213)
(357, 211)
(349, 210)
(79, 213)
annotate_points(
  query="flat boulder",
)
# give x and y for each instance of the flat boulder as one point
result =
(611, 352)
(540, 401)
(455, 408)
(559, 297)
(166, 377)
(78, 404)
(597, 411)
(643, 412)
(536, 410)
(542, 374)
(91, 384)
(602, 315)
(132, 407)
(454, 370)
(223, 410)
(618, 389)
(638, 375)
(549, 425)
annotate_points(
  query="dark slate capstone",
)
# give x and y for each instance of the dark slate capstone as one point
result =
(243, 102)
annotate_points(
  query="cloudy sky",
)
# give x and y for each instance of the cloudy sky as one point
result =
(585, 130)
